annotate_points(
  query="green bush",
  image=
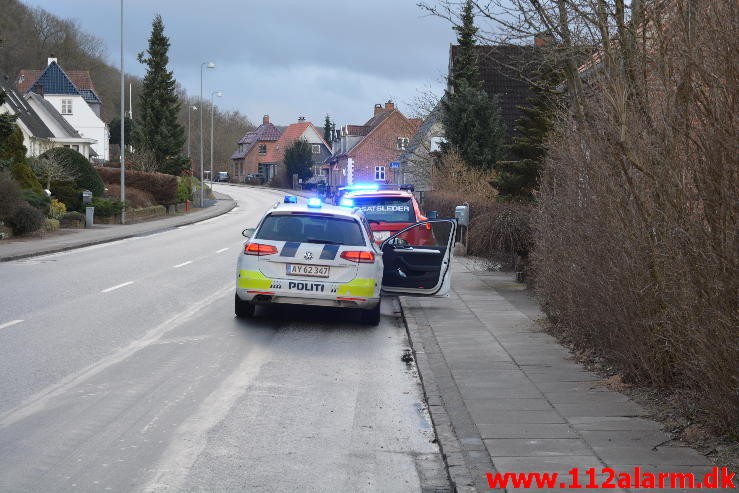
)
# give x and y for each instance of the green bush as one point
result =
(11, 195)
(87, 177)
(71, 219)
(23, 174)
(26, 219)
(184, 188)
(51, 224)
(68, 193)
(39, 200)
(106, 207)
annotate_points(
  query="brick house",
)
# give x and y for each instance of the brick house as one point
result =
(369, 152)
(253, 148)
(296, 131)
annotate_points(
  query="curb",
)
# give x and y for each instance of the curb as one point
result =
(458, 474)
(65, 248)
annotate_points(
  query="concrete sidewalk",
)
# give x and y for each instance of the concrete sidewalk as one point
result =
(69, 239)
(505, 396)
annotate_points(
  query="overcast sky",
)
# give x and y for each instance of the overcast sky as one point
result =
(285, 58)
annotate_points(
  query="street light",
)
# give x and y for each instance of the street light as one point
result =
(202, 66)
(123, 130)
(219, 94)
(189, 107)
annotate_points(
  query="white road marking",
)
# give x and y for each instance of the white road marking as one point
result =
(221, 250)
(182, 264)
(40, 400)
(117, 287)
(11, 323)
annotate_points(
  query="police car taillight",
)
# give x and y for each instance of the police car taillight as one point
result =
(259, 249)
(360, 257)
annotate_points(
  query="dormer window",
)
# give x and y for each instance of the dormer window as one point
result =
(402, 143)
(262, 149)
(66, 106)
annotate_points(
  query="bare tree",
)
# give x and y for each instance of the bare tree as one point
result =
(50, 168)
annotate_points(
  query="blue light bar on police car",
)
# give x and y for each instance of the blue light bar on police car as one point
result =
(364, 186)
(346, 203)
(314, 202)
(291, 199)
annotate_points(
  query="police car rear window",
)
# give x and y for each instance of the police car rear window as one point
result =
(304, 228)
(387, 209)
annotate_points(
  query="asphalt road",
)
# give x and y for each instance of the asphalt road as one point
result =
(122, 368)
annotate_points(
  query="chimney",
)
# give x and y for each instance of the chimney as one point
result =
(38, 89)
(378, 109)
(51, 58)
(389, 106)
(301, 119)
(543, 39)
(265, 119)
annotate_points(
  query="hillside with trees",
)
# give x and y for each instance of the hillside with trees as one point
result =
(30, 35)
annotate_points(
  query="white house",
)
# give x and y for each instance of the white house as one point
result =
(42, 126)
(73, 96)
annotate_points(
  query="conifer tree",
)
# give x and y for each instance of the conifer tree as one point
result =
(158, 130)
(472, 119)
(328, 130)
(298, 159)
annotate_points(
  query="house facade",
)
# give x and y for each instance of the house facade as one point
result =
(302, 130)
(253, 148)
(370, 152)
(73, 96)
(42, 126)
(417, 161)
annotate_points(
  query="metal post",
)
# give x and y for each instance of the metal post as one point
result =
(202, 66)
(219, 94)
(123, 129)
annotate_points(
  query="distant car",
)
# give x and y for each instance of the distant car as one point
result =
(257, 178)
(388, 210)
(317, 254)
(221, 176)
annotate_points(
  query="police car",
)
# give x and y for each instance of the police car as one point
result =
(318, 254)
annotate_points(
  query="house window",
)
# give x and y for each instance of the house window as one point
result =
(316, 148)
(66, 106)
(262, 149)
(380, 173)
(402, 143)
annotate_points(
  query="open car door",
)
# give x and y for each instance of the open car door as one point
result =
(417, 260)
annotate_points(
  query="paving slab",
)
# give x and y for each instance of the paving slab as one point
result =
(504, 396)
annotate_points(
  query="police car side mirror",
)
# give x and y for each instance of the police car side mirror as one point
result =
(248, 232)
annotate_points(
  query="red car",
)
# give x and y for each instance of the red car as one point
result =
(389, 211)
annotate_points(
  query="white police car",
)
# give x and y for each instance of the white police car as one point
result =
(316, 254)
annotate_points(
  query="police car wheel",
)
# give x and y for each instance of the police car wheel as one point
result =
(371, 316)
(243, 309)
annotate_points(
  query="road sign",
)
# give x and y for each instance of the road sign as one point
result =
(395, 164)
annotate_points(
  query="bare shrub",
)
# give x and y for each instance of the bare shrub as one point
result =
(453, 176)
(135, 198)
(636, 232)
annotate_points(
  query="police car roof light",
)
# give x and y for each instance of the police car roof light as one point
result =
(364, 186)
(347, 203)
(314, 202)
(291, 199)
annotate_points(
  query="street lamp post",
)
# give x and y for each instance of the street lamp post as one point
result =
(189, 107)
(219, 94)
(123, 129)
(202, 66)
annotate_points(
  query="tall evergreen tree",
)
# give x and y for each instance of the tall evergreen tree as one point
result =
(158, 130)
(299, 159)
(518, 179)
(473, 126)
(328, 131)
(472, 120)
(465, 62)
